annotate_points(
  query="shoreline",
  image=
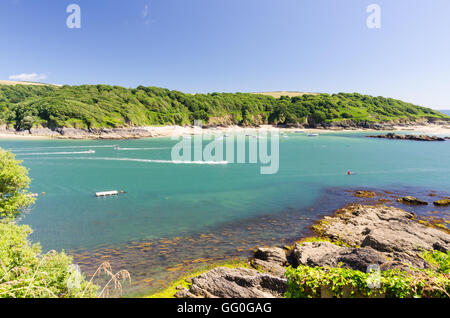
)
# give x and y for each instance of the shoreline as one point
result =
(177, 131)
(353, 238)
(291, 236)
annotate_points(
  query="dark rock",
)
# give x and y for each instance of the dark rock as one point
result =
(184, 293)
(361, 258)
(235, 283)
(365, 194)
(408, 137)
(443, 202)
(411, 200)
(272, 260)
(328, 254)
(439, 247)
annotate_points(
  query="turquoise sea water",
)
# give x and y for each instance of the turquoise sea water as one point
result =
(166, 201)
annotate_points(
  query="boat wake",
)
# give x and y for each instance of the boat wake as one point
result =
(143, 160)
(55, 153)
(60, 147)
(129, 149)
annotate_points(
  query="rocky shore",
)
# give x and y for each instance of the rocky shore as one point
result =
(409, 137)
(356, 237)
(430, 125)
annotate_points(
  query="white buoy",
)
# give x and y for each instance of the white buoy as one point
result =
(106, 193)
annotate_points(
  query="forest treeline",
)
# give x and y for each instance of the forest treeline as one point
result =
(102, 106)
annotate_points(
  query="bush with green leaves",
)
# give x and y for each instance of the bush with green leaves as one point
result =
(440, 261)
(14, 181)
(315, 282)
(25, 272)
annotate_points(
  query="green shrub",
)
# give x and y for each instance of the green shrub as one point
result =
(24, 272)
(439, 260)
(312, 282)
(14, 181)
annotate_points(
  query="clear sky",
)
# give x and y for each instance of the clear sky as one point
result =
(234, 45)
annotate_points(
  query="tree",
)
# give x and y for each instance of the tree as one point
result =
(14, 181)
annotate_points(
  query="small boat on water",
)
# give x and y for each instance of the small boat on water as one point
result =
(313, 135)
(91, 151)
(299, 131)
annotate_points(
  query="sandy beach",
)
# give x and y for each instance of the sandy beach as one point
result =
(169, 131)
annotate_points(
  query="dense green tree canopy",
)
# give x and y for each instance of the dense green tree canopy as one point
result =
(96, 106)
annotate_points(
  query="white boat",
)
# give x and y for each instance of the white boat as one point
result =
(299, 131)
(313, 135)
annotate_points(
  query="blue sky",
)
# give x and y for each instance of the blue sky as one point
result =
(234, 45)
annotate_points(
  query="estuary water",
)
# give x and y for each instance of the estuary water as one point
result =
(173, 217)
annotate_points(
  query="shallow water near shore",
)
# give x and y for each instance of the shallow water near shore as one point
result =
(174, 218)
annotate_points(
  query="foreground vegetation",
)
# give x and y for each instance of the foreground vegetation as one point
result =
(24, 270)
(310, 282)
(96, 106)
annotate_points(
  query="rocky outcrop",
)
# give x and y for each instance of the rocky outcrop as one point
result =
(44, 132)
(390, 231)
(351, 124)
(368, 235)
(411, 200)
(408, 137)
(226, 282)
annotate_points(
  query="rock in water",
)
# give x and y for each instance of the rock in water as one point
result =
(443, 202)
(227, 282)
(408, 137)
(411, 200)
